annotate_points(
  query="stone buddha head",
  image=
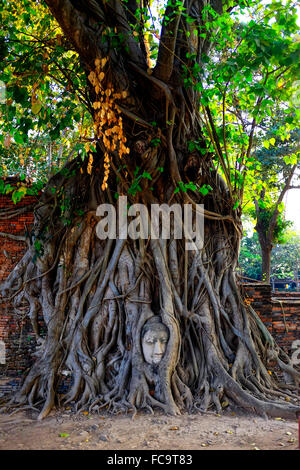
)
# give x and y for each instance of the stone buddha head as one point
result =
(155, 336)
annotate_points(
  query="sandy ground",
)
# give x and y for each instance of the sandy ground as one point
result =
(65, 430)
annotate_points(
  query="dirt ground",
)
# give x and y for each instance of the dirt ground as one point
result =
(65, 430)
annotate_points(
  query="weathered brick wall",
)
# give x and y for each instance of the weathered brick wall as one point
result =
(17, 342)
(280, 311)
(286, 320)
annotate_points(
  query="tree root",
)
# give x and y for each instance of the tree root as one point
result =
(95, 298)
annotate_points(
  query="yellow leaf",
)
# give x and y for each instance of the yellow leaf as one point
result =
(280, 83)
(103, 61)
(92, 77)
(89, 167)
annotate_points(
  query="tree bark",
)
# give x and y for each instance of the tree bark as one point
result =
(266, 263)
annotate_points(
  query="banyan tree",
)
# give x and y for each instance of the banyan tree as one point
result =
(145, 323)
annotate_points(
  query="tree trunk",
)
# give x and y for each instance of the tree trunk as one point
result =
(266, 251)
(96, 296)
(266, 246)
(266, 227)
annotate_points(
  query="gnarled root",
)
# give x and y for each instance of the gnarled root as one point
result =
(95, 297)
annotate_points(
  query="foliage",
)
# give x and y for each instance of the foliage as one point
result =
(266, 212)
(286, 258)
(250, 257)
(245, 83)
(284, 261)
(45, 108)
(249, 77)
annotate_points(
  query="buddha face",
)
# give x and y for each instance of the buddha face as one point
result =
(154, 343)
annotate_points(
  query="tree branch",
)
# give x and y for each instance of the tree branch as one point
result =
(273, 220)
(82, 38)
(165, 59)
(13, 237)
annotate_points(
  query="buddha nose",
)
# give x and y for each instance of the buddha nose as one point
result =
(157, 347)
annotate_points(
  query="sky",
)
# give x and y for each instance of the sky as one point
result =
(292, 204)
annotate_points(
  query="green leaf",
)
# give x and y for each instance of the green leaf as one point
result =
(204, 190)
(18, 194)
(147, 175)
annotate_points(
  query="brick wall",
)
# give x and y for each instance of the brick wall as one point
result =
(280, 311)
(17, 342)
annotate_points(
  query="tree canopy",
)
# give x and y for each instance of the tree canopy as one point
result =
(242, 60)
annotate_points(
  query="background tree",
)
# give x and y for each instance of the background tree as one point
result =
(284, 260)
(275, 171)
(163, 131)
(250, 257)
